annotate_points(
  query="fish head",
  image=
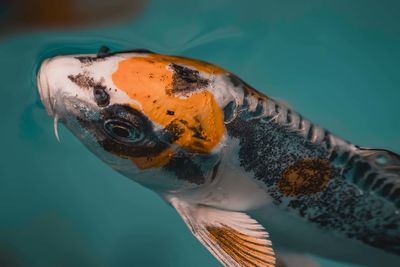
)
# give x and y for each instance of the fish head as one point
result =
(154, 118)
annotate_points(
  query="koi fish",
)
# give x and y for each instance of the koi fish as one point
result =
(256, 183)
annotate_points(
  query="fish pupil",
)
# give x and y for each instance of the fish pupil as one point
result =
(123, 131)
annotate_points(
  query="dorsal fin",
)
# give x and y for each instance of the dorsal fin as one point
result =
(382, 158)
(378, 171)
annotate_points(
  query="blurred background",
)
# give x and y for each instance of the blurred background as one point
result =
(336, 62)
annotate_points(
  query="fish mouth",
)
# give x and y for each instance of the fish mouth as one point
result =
(45, 95)
(44, 88)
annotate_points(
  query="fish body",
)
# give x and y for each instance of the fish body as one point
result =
(234, 163)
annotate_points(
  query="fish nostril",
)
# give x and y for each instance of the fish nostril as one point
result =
(101, 96)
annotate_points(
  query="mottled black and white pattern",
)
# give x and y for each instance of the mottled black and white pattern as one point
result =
(352, 203)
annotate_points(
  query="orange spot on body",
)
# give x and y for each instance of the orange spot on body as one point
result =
(148, 79)
(305, 177)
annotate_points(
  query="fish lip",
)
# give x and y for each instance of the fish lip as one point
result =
(44, 88)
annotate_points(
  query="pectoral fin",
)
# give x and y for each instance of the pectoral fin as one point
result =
(233, 238)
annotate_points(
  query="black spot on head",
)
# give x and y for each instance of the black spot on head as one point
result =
(170, 112)
(101, 97)
(82, 80)
(185, 168)
(173, 131)
(186, 81)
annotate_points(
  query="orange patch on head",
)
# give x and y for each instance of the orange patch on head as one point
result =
(148, 80)
(305, 177)
(153, 162)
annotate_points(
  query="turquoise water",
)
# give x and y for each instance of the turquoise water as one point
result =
(336, 63)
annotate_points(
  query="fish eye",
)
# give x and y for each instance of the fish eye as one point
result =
(123, 131)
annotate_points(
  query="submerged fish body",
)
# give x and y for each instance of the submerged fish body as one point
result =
(233, 162)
